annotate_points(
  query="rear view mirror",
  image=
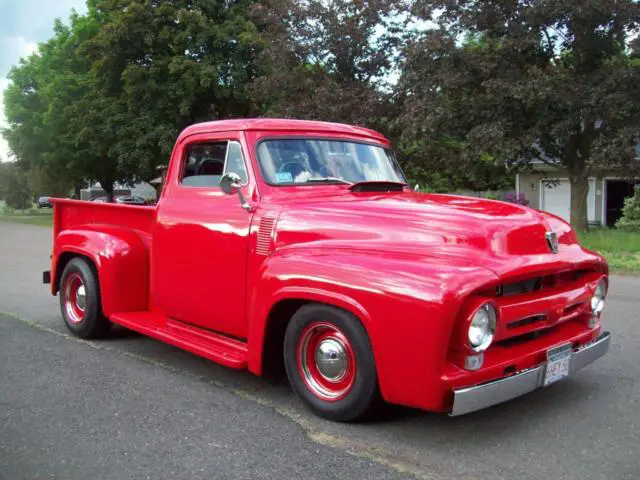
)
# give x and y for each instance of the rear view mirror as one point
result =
(230, 183)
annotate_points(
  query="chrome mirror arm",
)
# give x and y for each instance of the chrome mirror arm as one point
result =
(243, 203)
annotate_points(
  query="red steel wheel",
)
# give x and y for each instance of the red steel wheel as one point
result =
(75, 298)
(80, 301)
(330, 364)
(326, 361)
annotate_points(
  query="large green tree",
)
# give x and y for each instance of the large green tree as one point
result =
(330, 60)
(553, 80)
(162, 65)
(39, 105)
(106, 97)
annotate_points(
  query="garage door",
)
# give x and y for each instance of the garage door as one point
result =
(557, 199)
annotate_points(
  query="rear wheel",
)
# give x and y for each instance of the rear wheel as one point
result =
(330, 363)
(80, 300)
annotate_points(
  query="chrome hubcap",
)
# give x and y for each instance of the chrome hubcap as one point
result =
(326, 361)
(331, 359)
(81, 299)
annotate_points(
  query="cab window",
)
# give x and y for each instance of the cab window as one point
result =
(206, 163)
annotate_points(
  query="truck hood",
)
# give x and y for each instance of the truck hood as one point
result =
(500, 236)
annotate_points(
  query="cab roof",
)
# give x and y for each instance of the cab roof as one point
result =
(283, 124)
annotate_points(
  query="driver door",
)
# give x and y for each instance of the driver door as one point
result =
(201, 241)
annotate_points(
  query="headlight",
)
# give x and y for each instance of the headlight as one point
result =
(597, 301)
(482, 328)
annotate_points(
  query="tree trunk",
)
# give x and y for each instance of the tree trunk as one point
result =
(107, 186)
(579, 192)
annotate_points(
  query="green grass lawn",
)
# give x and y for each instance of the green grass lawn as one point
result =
(32, 216)
(621, 249)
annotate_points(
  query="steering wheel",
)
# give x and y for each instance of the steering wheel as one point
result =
(207, 162)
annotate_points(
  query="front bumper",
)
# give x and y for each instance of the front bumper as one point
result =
(467, 400)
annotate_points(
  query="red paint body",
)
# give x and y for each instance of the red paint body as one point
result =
(199, 272)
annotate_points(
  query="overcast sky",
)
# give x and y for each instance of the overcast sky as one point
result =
(24, 23)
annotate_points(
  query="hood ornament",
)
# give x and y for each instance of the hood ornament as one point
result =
(552, 241)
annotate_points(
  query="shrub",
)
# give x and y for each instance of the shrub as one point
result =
(520, 199)
(630, 219)
(492, 196)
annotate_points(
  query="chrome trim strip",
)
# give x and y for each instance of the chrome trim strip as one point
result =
(471, 399)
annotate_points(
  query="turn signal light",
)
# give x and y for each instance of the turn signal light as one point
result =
(474, 362)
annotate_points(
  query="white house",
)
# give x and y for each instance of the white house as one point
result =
(607, 191)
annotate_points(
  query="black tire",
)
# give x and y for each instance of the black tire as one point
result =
(92, 323)
(363, 397)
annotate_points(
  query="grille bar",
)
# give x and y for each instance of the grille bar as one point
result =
(265, 235)
(526, 321)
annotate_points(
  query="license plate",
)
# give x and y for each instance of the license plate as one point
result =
(558, 360)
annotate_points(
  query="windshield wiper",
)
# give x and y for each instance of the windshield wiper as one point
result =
(329, 180)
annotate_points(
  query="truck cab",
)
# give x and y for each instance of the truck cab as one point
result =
(300, 243)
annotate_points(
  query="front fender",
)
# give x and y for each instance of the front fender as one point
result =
(121, 259)
(407, 304)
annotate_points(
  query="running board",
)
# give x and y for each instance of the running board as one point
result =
(224, 350)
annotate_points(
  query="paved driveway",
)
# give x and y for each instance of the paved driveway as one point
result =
(132, 407)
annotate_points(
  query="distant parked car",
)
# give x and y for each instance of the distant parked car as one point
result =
(123, 199)
(131, 200)
(44, 202)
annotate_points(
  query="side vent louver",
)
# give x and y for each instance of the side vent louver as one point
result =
(265, 234)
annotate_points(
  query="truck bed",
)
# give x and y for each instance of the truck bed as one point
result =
(73, 214)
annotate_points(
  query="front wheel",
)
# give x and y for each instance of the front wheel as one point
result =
(330, 364)
(80, 300)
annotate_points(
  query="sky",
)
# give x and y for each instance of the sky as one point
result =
(24, 23)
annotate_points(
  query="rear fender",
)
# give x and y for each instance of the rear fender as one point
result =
(121, 260)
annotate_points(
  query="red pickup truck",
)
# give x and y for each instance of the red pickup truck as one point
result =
(299, 243)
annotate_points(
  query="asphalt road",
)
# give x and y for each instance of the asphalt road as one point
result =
(132, 407)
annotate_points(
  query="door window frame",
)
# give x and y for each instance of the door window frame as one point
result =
(185, 157)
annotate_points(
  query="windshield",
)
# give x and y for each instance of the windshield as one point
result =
(297, 161)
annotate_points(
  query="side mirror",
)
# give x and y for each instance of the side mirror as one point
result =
(230, 183)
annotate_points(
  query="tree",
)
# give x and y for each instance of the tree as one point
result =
(329, 60)
(630, 219)
(106, 97)
(550, 80)
(37, 102)
(13, 186)
(3, 175)
(159, 66)
(42, 184)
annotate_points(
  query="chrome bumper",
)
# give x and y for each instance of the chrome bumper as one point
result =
(467, 400)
